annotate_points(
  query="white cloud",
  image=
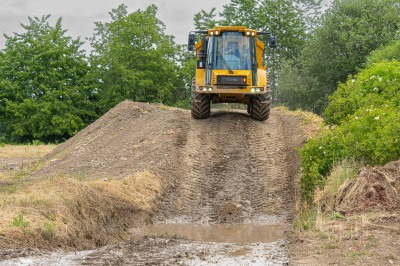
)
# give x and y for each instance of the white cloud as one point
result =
(79, 15)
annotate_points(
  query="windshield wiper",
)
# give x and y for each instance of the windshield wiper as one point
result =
(225, 63)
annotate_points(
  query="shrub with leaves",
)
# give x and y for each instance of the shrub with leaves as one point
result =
(373, 87)
(365, 115)
(387, 53)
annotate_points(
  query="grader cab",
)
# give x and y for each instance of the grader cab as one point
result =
(230, 70)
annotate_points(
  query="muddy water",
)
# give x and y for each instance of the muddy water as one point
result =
(223, 233)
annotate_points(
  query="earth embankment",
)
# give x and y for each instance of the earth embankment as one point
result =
(227, 169)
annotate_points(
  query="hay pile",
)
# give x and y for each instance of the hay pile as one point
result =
(375, 188)
(65, 212)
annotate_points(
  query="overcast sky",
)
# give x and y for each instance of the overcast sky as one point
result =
(79, 15)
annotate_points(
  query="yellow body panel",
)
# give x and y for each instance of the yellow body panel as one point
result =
(262, 77)
(240, 93)
(259, 51)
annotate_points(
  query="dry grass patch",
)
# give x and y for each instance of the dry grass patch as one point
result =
(140, 189)
(367, 239)
(62, 211)
(332, 236)
(312, 123)
(345, 170)
(323, 207)
(25, 151)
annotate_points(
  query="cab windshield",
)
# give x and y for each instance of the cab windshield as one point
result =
(232, 51)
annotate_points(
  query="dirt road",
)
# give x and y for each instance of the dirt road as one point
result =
(231, 179)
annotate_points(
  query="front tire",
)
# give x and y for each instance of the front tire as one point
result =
(260, 106)
(249, 107)
(200, 104)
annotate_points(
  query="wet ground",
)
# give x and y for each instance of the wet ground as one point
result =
(182, 244)
(230, 195)
(220, 233)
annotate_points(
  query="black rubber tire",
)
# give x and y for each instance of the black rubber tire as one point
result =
(200, 104)
(260, 106)
(249, 107)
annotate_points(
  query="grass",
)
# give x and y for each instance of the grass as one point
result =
(25, 151)
(20, 222)
(68, 210)
(390, 256)
(336, 216)
(314, 216)
(311, 123)
(330, 245)
(354, 255)
(306, 217)
(343, 171)
(47, 230)
(62, 207)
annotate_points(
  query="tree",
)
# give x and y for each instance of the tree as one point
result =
(205, 20)
(44, 90)
(134, 59)
(186, 72)
(349, 31)
(241, 13)
(282, 18)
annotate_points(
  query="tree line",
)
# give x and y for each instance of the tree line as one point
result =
(50, 88)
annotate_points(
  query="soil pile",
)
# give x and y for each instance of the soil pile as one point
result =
(106, 179)
(375, 188)
(225, 169)
(130, 138)
(146, 163)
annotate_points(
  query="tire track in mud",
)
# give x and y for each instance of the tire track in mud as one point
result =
(228, 168)
(233, 170)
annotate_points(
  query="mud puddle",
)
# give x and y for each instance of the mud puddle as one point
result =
(161, 251)
(220, 233)
(181, 244)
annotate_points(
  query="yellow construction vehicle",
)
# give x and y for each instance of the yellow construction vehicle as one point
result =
(230, 70)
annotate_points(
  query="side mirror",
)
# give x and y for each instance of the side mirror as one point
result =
(191, 41)
(272, 42)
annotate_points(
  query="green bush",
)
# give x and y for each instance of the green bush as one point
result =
(387, 53)
(365, 118)
(371, 136)
(372, 87)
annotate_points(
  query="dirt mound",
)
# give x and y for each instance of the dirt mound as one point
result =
(202, 164)
(228, 168)
(130, 138)
(375, 188)
(99, 183)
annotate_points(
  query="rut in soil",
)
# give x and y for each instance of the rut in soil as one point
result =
(233, 170)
